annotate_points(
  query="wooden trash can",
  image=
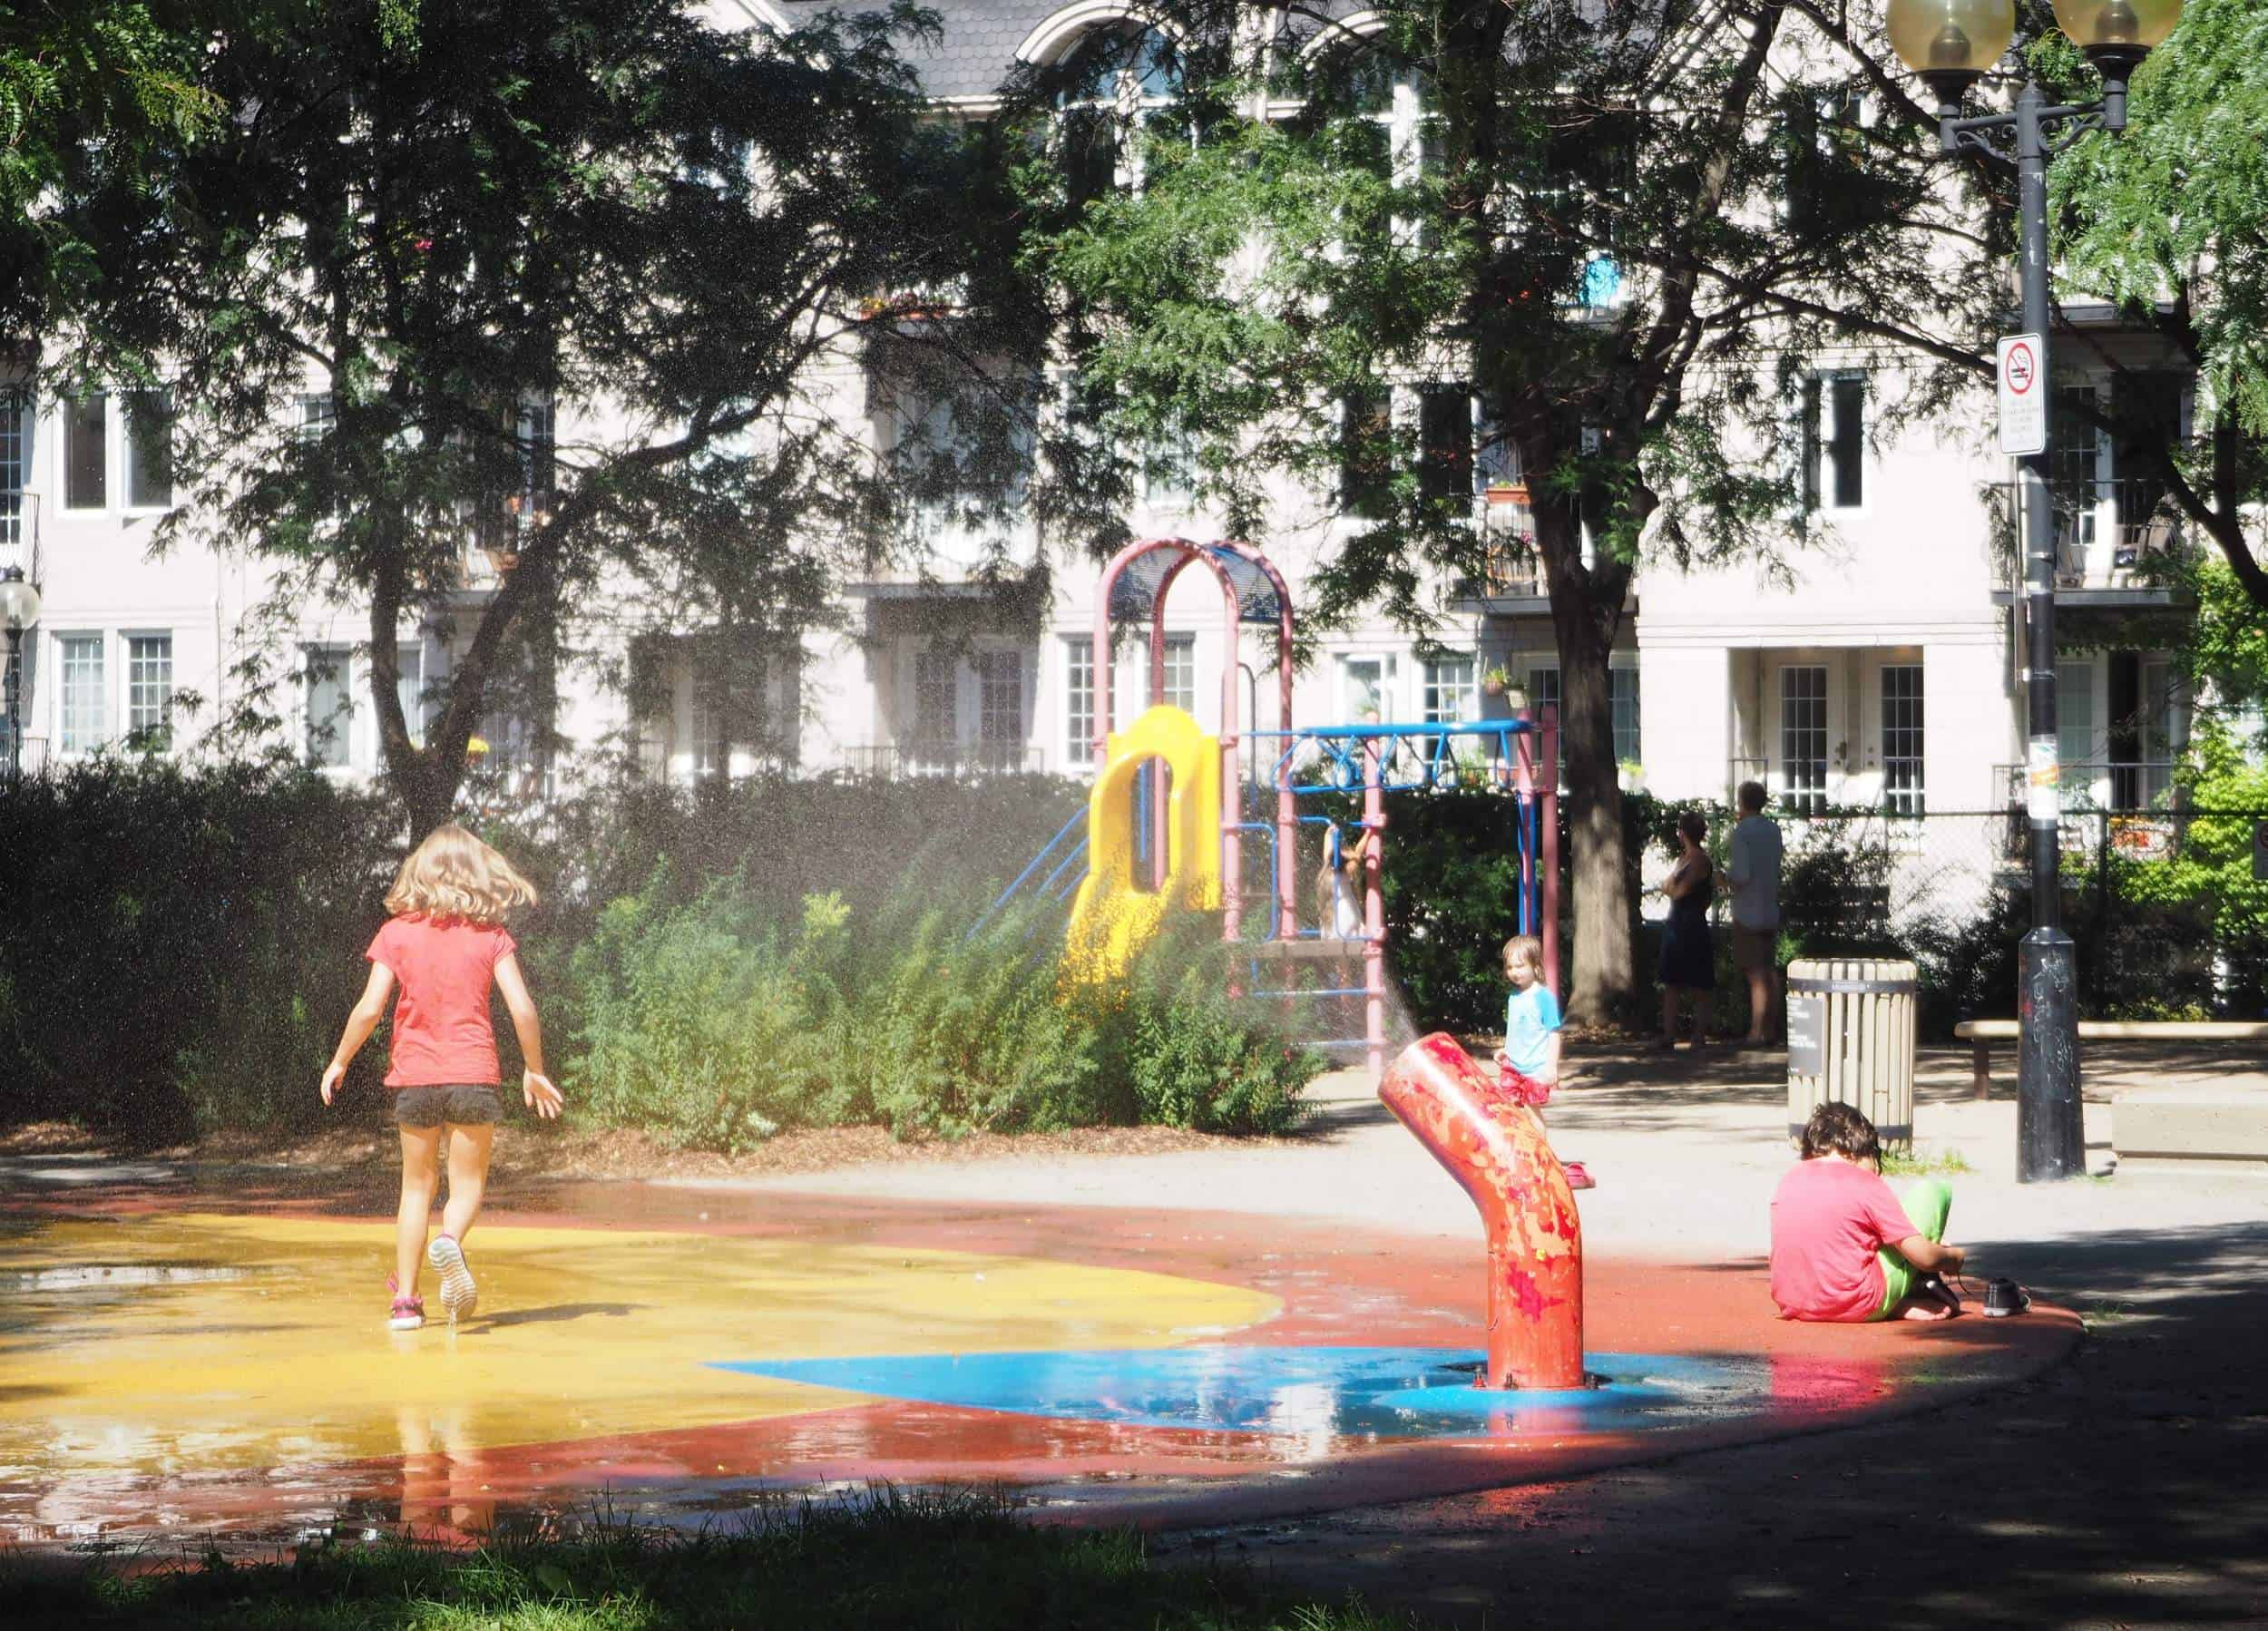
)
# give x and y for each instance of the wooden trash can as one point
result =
(1850, 1038)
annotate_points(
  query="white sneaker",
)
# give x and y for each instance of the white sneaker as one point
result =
(458, 1293)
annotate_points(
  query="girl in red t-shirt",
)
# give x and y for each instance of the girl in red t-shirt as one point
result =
(445, 946)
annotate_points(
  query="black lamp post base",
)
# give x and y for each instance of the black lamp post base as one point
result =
(2050, 1140)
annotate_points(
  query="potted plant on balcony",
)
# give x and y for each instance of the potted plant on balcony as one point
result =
(1495, 682)
(1513, 493)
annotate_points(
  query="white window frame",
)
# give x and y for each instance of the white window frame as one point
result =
(129, 640)
(18, 442)
(1350, 709)
(1079, 698)
(1447, 697)
(1913, 801)
(129, 463)
(1803, 798)
(339, 657)
(1126, 102)
(67, 741)
(63, 424)
(1627, 673)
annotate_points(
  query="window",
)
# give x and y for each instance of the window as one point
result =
(11, 463)
(1449, 690)
(2079, 455)
(1622, 697)
(711, 728)
(2162, 730)
(1181, 672)
(409, 685)
(1400, 137)
(935, 724)
(1123, 85)
(150, 691)
(1362, 681)
(1543, 691)
(2076, 746)
(1445, 443)
(84, 724)
(1000, 699)
(1079, 701)
(330, 704)
(1835, 442)
(1365, 453)
(86, 475)
(1170, 475)
(149, 450)
(1804, 739)
(318, 412)
(1823, 150)
(536, 430)
(1901, 739)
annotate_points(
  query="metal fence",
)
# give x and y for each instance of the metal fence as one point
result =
(2161, 904)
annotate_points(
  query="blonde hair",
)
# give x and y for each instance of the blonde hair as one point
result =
(1524, 949)
(453, 875)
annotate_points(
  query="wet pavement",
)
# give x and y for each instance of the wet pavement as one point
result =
(202, 1353)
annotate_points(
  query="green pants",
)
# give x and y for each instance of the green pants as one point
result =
(1927, 1203)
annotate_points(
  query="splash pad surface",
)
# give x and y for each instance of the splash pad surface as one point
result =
(174, 1368)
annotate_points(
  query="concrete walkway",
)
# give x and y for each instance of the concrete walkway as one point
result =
(1686, 1150)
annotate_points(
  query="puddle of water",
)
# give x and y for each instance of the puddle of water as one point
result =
(1323, 1399)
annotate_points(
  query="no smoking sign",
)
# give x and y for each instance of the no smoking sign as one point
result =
(2023, 406)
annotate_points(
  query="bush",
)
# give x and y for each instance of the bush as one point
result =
(182, 946)
(705, 1021)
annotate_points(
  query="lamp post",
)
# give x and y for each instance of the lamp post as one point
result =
(19, 610)
(1950, 43)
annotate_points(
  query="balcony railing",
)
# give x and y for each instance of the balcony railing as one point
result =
(34, 755)
(2116, 785)
(2113, 535)
(943, 758)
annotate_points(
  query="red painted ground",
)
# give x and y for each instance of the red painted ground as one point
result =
(1339, 1288)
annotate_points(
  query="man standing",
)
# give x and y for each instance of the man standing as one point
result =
(1754, 867)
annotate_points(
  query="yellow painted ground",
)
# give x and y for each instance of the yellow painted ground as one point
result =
(172, 1345)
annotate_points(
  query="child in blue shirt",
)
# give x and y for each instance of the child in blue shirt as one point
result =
(1530, 1057)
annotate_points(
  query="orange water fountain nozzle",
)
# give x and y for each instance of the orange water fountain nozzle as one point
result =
(1494, 1146)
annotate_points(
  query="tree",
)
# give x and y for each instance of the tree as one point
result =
(1629, 229)
(98, 88)
(426, 235)
(2166, 220)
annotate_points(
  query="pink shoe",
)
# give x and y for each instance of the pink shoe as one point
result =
(1577, 1177)
(409, 1312)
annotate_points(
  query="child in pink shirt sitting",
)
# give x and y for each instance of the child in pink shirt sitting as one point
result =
(1844, 1246)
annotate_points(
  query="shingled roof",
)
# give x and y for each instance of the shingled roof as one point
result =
(977, 50)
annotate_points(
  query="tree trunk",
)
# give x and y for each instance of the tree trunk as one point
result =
(1602, 977)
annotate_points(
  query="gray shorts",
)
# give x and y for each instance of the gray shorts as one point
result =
(1755, 948)
(475, 1105)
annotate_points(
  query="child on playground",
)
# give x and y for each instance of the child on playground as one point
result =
(1844, 1246)
(1529, 1061)
(445, 946)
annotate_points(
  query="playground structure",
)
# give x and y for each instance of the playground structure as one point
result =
(1170, 816)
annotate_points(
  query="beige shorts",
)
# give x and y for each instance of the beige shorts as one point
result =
(1755, 948)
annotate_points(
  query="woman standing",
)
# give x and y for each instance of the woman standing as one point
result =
(1688, 963)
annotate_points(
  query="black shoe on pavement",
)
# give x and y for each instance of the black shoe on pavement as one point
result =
(2004, 1298)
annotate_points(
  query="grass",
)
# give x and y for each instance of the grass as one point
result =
(1906, 1163)
(888, 1558)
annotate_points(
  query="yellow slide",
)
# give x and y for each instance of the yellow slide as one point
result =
(1115, 909)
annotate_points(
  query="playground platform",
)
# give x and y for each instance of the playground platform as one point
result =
(195, 1354)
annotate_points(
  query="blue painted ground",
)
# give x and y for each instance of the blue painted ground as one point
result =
(1336, 1392)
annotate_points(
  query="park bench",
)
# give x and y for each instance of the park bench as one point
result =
(1980, 1034)
(2174, 1122)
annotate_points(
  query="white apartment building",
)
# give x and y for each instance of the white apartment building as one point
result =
(1879, 672)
